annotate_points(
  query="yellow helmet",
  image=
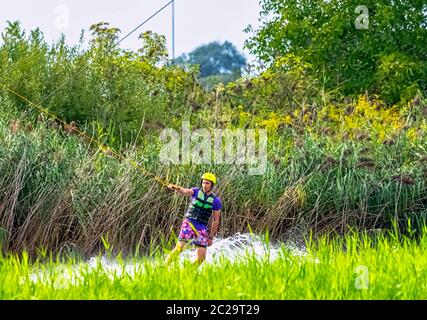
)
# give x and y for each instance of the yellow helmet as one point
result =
(210, 177)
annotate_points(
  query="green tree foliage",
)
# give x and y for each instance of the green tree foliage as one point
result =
(380, 47)
(154, 48)
(104, 87)
(215, 59)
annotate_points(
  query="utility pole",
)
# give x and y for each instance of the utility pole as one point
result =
(173, 31)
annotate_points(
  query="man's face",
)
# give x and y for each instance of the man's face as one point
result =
(206, 185)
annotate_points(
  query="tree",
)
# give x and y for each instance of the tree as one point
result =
(215, 59)
(380, 46)
(104, 37)
(154, 49)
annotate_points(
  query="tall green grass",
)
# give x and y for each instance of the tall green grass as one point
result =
(352, 267)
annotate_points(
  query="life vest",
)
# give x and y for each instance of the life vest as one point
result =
(201, 207)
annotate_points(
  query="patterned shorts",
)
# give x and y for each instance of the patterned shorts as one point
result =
(187, 233)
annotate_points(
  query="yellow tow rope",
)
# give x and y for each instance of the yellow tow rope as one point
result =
(101, 146)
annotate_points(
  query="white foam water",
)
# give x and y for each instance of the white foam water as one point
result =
(235, 248)
(240, 246)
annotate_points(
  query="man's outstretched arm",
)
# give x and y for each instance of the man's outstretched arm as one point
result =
(184, 191)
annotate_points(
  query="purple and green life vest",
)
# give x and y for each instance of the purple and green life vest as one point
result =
(201, 207)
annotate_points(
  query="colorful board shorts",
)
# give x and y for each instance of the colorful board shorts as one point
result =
(187, 233)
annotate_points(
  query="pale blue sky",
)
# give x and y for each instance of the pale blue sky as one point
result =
(196, 21)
